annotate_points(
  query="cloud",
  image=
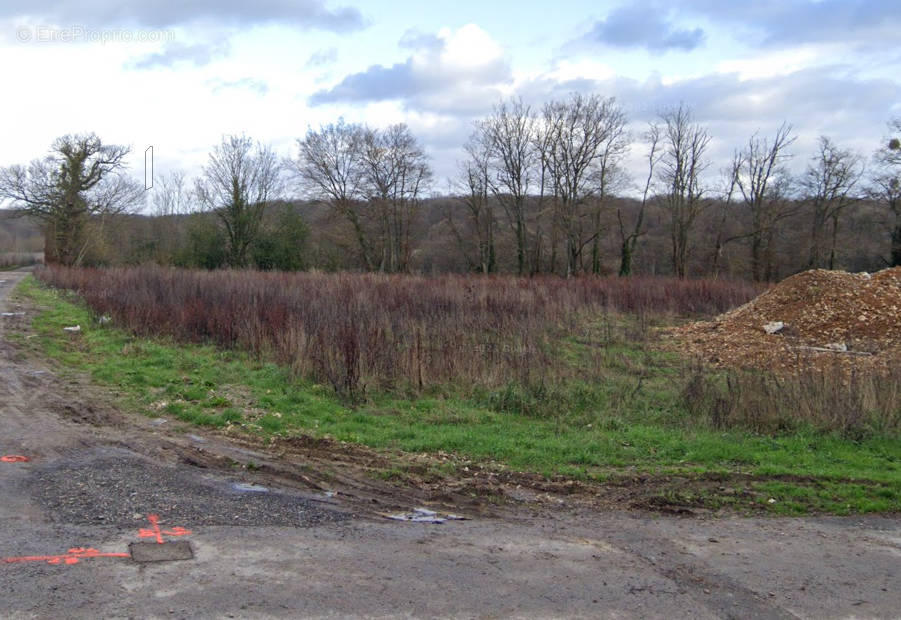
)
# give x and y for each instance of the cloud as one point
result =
(644, 25)
(322, 57)
(791, 22)
(198, 55)
(657, 26)
(258, 86)
(825, 100)
(164, 13)
(456, 71)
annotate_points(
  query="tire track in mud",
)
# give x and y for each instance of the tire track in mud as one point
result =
(87, 466)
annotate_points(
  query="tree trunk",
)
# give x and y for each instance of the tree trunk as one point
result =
(625, 257)
(834, 239)
(520, 246)
(596, 244)
(896, 245)
(816, 240)
(757, 257)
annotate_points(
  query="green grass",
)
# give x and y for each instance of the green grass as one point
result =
(583, 431)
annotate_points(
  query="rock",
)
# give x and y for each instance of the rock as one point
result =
(773, 327)
(836, 346)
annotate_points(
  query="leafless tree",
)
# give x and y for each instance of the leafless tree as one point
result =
(509, 133)
(764, 183)
(240, 180)
(586, 142)
(885, 185)
(892, 151)
(725, 204)
(683, 161)
(172, 195)
(396, 174)
(828, 183)
(81, 180)
(171, 199)
(330, 168)
(629, 236)
(476, 197)
(608, 174)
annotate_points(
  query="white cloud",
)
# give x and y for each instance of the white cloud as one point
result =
(453, 71)
(780, 62)
(468, 48)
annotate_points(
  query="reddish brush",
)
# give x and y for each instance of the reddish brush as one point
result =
(361, 331)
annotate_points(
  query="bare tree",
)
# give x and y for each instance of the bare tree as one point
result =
(172, 195)
(830, 178)
(629, 237)
(509, 133)
(892, 152)
(81, 180)
(763, 181)
(547, 207)
(682, 163)
(586, 142)
(475, 196)
(731, 180)
(396, 173)
(608, 174)
(239, 182)
(171, 199)
(885, 185)
(330, 168)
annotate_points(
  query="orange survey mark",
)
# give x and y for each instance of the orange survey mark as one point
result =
(14, 458)
(73, 556)
(76, 554)
(155, 532)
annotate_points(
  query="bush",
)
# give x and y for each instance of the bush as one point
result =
(357, 332)
(206, 246)
(282, 248)
(11, 260)
(854, 404)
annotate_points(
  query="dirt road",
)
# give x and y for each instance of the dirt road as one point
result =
(264, 547)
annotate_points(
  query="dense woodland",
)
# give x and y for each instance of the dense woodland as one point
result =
(540, 192)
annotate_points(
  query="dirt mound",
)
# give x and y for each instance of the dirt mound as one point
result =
(827, 318)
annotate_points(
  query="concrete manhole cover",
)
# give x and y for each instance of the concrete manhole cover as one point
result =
(161, 552)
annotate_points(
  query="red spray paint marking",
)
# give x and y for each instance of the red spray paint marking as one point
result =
(76, 554)
(156, 532)
(14, 458)
(73, 556)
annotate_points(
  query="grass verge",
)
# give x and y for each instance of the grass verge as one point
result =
(605, 433)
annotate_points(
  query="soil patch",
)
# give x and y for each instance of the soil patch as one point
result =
(123, 489)
(828, 318)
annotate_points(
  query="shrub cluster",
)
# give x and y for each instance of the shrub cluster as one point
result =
(855, 404)
(359, 332)
(10, 260)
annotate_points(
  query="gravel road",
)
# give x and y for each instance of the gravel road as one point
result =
(265, 550)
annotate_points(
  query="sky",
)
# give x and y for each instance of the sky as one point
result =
(179, 74)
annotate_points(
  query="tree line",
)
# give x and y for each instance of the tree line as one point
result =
(539, 190)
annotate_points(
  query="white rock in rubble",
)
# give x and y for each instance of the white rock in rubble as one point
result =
(836, 346)
(773, 327)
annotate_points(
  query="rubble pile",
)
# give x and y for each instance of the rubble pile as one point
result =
(814, 318)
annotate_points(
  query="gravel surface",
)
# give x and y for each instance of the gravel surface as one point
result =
(122, 490)
(827, 317)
